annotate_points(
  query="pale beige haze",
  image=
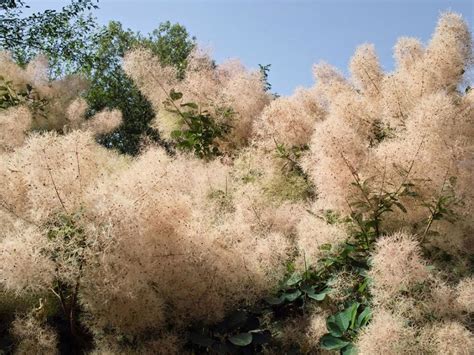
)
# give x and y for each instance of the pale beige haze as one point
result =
(211, 88)
(161, 241)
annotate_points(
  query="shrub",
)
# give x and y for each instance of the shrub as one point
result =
(351, 227)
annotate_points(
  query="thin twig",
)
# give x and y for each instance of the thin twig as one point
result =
(52, 180)
(160, 85)
(371, 80)
(357, 179)
(435, 209)
(78, 170)
(412, 163)
(361, 226)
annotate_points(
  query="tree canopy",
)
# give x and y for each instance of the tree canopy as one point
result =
(75, 43)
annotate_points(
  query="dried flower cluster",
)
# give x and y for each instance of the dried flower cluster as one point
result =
(213, 88)
(411, 125)
(144, 247)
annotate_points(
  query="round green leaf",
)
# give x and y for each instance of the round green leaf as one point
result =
(364, 317)
(329, 342)
(307, 289)
(349, 350)
(293, 279)
(317, 296)
(241, 339)
(290, 297)
(175, 95)
(334, 327)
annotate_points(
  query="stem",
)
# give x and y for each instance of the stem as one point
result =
(428, 226)
(72, 317)
(410, 168)
(371, 80)
(364, 232)
(377, 228)
(435, 209)
(377, 213)
(78, 170)
(61, 297)
(170, 99)
(357, 180)
(52, 180)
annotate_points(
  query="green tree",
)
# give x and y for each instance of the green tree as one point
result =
(112, 88)
(75, 44)
(65, 35)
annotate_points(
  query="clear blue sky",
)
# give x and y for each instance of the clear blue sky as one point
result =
(291, 34)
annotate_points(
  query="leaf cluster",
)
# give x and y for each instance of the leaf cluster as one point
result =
(74, 43)
(301, 186)
(344, 326)
(202, 131)
(239, 333)
(64, 35)
(11, 96)
(112, 88)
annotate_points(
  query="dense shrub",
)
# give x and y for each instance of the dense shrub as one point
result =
(334, 219)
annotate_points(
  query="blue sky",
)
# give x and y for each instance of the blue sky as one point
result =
(290, 35)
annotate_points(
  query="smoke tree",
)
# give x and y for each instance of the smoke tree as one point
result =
(338, 218)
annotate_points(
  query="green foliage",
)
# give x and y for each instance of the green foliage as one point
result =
(370, 203)
(63, 35)
(379, 132)
(172, 43)
(290, 156)
(369, 207)
(223, 200)
(315, 284)
(241, 339)
(298, 287)
(239, 332)
(10, 97)
(69, 242)
(332, 217)
(75, 44)
(290, 187)
(70, 39)
(202, 130)
(264, 70)
(69, 238)
(344, 326)
(441, 206)
(293, 184)
(112, 88)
